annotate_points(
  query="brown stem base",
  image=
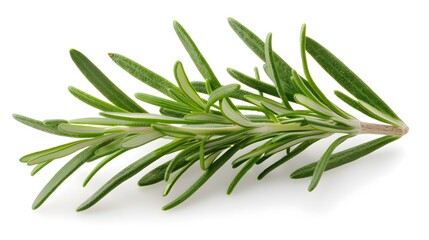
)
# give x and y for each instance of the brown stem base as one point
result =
(383, 129)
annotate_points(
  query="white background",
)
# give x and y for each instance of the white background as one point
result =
(384, 195)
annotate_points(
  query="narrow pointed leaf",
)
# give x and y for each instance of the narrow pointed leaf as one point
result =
(354, 104)
(323, 162)
(200, 87)
(272, 69)
(39, 167)
(185, 85)
(319, 95)
(253, 83)
(220, 93)
(85, 131)
(143, 74)
(196, 56)
(257, 46)
(380, 114)
(103, 84)
(162, 102)
(300, 148)
(207, 118)
(346, 156)
(63, 174)
(249, 164)
(176, 177)
(62, 150)
(93, 101)
(157, 174)
(101, 165)
(185, 99)
(312, 105)
(346, 77)
(143, 117)
(128, 172)
(53, 129)
(234, 115)
(106, 122)
(205, 177)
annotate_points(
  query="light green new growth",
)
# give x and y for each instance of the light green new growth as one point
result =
(210, 130)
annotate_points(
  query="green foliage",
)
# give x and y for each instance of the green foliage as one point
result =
(205, 125)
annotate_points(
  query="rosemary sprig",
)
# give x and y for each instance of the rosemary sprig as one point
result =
(209, 131)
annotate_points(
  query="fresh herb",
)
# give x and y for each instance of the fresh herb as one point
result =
(210, 130)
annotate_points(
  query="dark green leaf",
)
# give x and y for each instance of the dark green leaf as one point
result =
(162, 102)
(130, 171)
(253, 83)
(185, 85)
(49, 128)
(353, 103)
(101, 165)
(157, 174)
(93, 101)
(144, 117)
(198, 59)
(321, 165)
(201, 88)
(346, 156)
(300, 148)
(257, 46)
(103, 84)
(273, 73)
(64, 173)
(346, 77)
(220, 93)
(143, 74)
(206, 176)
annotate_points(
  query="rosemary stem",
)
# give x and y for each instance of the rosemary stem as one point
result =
(372, 128)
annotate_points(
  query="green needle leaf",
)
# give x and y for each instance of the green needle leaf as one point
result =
(201, 88)
(101, 165)
(346, 156)
(196, 56)
(220, 93)
(64, 173)
(323, 162)
(143, 74)
(346, 77)
(103, 84)
(272, 69)
(300, 148)
(144, 117)
(205, 177)
(62, 150)
(185, 85)
(249, 164)
(106, 122)
(128, 172)
(161, 102)
(230, 112)
(93, 101)
(318, 93)
(39, 125)
(354, 104)
(254, 83)
(157, 174)
(257, 46)
(209, 118)
(173, 181)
